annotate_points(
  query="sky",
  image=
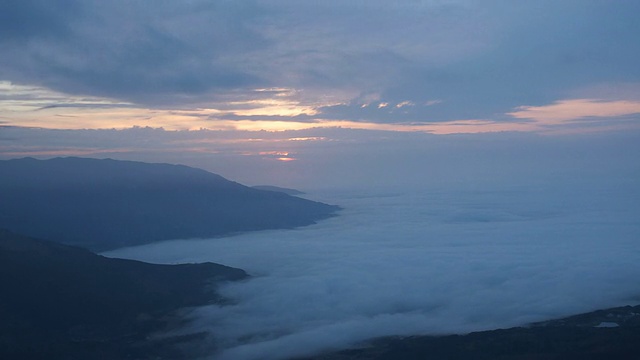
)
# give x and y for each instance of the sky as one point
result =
(238, 79)
(489, 149)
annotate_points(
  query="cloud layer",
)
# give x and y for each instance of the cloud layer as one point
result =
(426, 262)
(451, 60)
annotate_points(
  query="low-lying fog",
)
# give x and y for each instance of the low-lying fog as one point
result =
(420, 262)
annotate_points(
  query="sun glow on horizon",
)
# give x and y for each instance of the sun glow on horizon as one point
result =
(37, 107)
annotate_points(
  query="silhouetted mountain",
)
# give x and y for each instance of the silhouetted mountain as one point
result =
(278, 189)
(605, 334)
(64, 302)
(106, 204)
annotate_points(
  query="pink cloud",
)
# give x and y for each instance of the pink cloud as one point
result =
(567, 110)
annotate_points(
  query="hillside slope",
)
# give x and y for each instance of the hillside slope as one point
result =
(106, 204)
(600, 335)
(64, 302)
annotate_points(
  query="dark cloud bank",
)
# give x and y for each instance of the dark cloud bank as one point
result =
(479, 60)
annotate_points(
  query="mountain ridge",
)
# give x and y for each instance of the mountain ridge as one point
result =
(103, 204)
(612, 333)
(61, 302)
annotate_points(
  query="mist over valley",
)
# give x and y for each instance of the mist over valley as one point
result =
(418, 262)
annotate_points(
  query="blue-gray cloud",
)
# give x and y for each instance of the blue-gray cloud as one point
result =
(28, 19)
(537, 52)
(480, 60)
(143, 51)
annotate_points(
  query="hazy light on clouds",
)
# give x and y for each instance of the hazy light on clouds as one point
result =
(278, 109)
(333, 157)
(576, 109)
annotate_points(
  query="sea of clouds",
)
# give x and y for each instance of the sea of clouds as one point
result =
(420, 261)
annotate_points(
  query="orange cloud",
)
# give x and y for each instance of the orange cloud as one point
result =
(28, 106)
(404, 103)
(567, 110)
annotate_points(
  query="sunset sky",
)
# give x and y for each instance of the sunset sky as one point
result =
(259, 84)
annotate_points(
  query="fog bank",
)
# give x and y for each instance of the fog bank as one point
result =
(420, 262)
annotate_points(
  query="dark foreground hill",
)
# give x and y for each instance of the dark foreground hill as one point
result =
(106, 204)
(63, 302)
(599, 335)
